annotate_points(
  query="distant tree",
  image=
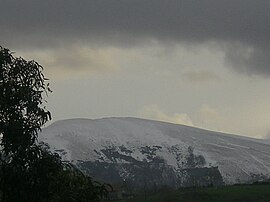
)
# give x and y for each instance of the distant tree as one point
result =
(28, 170)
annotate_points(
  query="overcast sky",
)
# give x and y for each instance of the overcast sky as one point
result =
(204, 63)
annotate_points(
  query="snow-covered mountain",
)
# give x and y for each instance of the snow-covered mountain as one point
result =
(151, 153)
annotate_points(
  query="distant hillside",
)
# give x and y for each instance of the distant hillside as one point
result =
(145, 153)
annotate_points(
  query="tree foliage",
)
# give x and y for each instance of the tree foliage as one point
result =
(28, 170)
(22, 85)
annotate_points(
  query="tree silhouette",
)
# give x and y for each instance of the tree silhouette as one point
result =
(28, 170)
(22, 85)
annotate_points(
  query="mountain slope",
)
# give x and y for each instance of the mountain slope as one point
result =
(144, 151)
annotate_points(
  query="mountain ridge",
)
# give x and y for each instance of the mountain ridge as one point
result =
(184, 152)
(160, 121)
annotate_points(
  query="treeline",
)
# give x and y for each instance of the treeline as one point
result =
(28, 170)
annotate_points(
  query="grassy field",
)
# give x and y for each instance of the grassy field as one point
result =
(239, 193)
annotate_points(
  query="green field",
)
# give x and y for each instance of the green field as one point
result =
(239, 193)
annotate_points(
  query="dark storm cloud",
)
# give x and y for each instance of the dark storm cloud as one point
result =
(236, 24)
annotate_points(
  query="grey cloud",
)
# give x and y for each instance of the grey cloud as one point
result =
(130, 22)
(249, 60)
(75, 59)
